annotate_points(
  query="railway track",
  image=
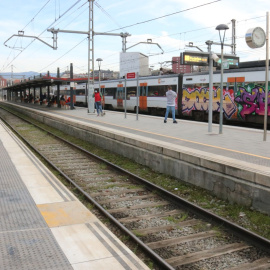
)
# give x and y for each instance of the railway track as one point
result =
(174, 233)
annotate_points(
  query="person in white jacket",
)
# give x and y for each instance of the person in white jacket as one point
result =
(171, 96)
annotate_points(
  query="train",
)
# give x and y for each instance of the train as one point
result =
(243, 94)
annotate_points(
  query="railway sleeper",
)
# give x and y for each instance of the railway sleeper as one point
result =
(125, 209)
(187, 223)
(206, 254)
(180, 240)
(261, 264)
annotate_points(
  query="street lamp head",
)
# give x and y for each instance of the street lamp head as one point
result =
(99, 62)
(222, 27)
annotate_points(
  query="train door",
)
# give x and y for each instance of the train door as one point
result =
(233, 83)
(102, 90)
(179, 91)
(120, 92)
(143, 96)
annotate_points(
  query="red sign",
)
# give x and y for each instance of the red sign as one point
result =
(131, 75)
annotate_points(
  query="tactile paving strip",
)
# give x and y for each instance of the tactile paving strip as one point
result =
(31, 250)
(17, 208)
(26, 242)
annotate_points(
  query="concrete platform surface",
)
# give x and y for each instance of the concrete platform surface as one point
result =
(43, 225)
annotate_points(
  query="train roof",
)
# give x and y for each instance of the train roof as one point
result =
(235, 70)
(146, 77)
(251, 64)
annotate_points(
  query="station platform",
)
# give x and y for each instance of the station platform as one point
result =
(234, 165)
(43, 225)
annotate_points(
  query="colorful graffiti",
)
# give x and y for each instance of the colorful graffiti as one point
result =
(248, 100)
(198, 99)
(251, 100)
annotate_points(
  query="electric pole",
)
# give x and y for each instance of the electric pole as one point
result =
(90, 87)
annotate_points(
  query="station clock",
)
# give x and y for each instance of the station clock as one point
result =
(255, 37)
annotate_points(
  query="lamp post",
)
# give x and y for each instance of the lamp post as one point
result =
(99, 65)
(220, 28)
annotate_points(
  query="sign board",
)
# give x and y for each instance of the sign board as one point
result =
(202, 59)
(131, 75)
(195, 58)
(233, 61)
(226, 64)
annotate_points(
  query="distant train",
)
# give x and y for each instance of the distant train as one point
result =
(243, 94)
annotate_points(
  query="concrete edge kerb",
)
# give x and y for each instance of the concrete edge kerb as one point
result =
(226, 178)
(228, 166)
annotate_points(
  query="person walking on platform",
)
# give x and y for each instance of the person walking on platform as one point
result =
(98, 97)
(171, 96)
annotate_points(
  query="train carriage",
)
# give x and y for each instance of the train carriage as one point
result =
(243, 95)
(152, 93)
(151, 98)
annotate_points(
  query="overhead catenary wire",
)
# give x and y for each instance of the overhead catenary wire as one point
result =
(160, 16)
(42, 33)
(167, 15)
(73, 13)
(37, 14)
(64, 54)
(184, 32)
(107, 14)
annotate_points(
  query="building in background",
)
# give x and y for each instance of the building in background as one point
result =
(134, 62)
(178, 68)
(3, 82)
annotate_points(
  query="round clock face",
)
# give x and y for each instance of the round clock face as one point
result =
(255, 37)
(258, 36)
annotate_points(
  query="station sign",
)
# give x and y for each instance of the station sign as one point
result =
(195, 58)
(131, 75)
(231, 60)
(202, 59)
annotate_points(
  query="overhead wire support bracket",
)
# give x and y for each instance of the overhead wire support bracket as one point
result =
(67, 31)
(21, 34)
(122, 35)
(147, 42)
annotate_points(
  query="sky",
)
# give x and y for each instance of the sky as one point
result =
(172, 24)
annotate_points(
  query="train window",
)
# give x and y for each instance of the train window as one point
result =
(143, 90)
(63, 92)
(109, 92)
(174, 88)
(157, 91)
(131, 92)
(80, 92)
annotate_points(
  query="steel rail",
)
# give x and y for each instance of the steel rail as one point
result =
(150, 252)
(249, 236)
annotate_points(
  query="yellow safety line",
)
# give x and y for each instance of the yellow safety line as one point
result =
(179, 139)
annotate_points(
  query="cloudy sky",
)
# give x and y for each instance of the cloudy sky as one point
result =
(172, 24)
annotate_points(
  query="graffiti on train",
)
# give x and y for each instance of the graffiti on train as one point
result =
(197, 99)
(251, 100)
